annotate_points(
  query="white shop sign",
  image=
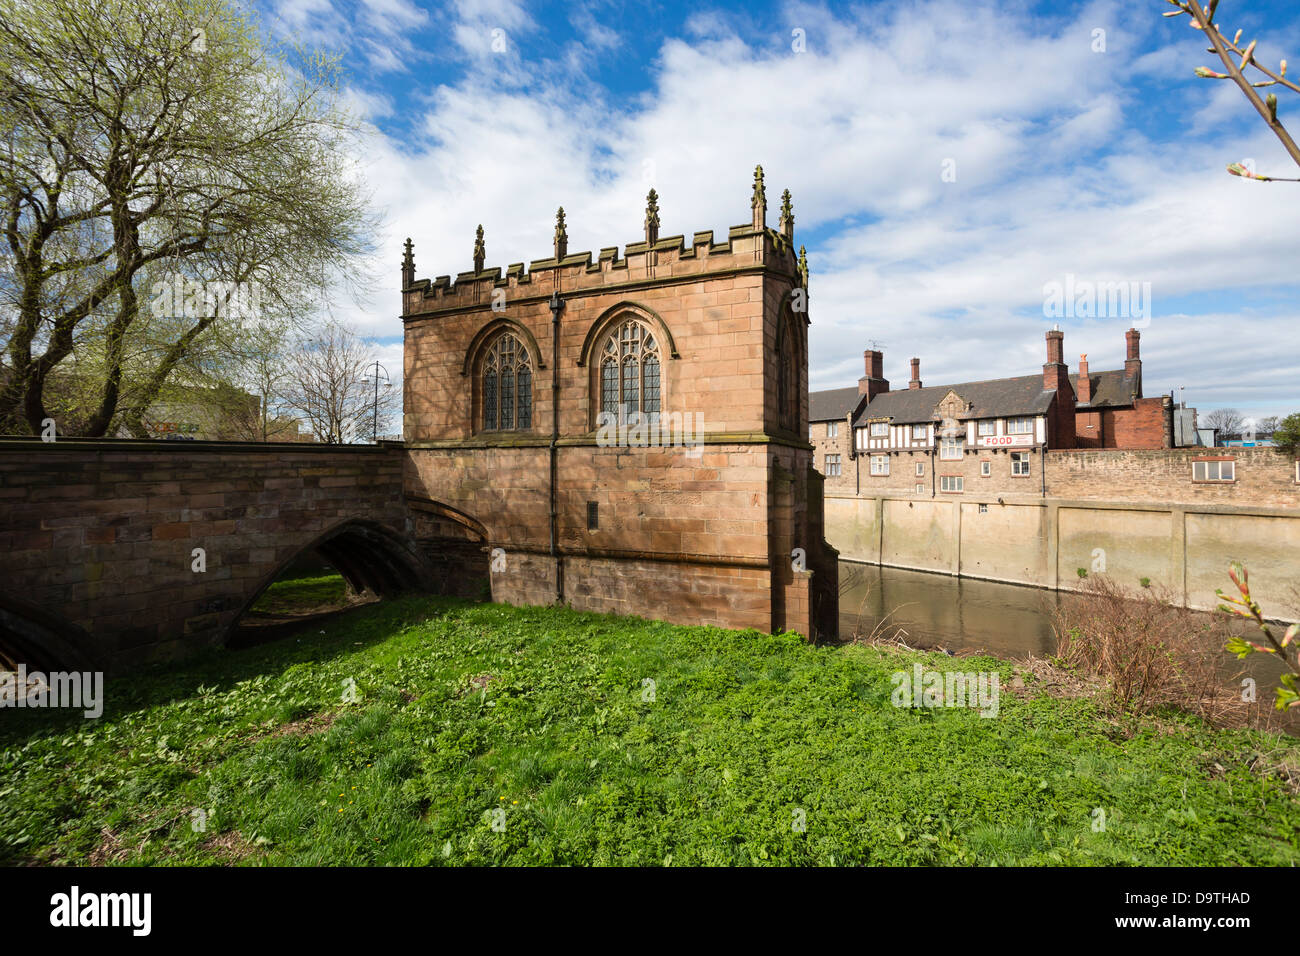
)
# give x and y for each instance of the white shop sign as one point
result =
(1005, 441)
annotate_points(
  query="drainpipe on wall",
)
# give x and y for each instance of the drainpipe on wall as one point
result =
(857, 460)
(557, 306)
(1042, 465)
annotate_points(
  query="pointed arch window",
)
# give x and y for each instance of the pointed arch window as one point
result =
(787, 376)
(630, 372)
(507, 385)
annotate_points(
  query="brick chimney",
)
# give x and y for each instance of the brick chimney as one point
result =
(1056, 378)
(916, 374)
(873, 383)
(1085, 383)
(1133, 364)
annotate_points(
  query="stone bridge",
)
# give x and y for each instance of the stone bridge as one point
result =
(116, 552)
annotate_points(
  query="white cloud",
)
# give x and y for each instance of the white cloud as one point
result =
(1052, 179)
(394, 16)
(595, 35)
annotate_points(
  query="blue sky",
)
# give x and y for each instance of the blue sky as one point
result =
(1075, 153)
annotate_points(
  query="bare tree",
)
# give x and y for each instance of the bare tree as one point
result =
(1227, 420)
(1237, 61)
(253, 363)
(331, 384)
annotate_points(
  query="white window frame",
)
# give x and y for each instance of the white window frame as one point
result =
(986, 428)
(879, 430)
(880, 465)
(920, 489)
(1020, 426)
(945, 449)
(952, 484)
(832, 466)
(986, 468)
(832, 429)
(920, 431)
(1212, 472)
(920, 469)
(1020, 464)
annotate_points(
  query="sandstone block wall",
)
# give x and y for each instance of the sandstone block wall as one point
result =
(101, 534)
(684, 528)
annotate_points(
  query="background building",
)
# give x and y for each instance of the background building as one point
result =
(988, 434)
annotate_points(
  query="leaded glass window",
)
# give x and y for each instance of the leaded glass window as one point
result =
(507, 386)
(630, 372)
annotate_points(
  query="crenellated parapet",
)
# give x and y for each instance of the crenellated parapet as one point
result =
(752, 247)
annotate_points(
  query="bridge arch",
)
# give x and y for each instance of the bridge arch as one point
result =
(455, 547)
(370, 556)
(43, 641)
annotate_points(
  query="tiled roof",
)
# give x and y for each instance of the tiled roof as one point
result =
(995, 398)
(1109, 388)
(832, 404)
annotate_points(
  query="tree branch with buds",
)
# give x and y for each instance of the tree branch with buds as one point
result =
(1237, 62)
(1288, 693)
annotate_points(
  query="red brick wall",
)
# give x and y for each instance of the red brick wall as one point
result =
(1145, 425)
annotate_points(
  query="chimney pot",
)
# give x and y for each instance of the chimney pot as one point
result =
(916, 374)
(1085, 383)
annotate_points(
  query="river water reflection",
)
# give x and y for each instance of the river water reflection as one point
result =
(1011, 621)
(941, 611)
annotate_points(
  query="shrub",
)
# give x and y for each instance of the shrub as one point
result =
(1151, 652)
(1287, 434)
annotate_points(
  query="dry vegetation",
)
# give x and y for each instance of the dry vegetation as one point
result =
(1153, 654)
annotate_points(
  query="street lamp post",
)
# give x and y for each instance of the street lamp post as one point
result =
(374, 427)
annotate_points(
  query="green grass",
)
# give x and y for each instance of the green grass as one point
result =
(297, 595)
(744, 730)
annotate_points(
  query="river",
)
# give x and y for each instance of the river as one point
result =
(927, 610)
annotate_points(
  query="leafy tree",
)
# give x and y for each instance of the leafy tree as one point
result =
(1287, 434)
(162, 175)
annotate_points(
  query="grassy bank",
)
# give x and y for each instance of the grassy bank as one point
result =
(485, 734)
(300, 595)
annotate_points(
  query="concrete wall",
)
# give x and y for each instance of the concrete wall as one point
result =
(1184, 548)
